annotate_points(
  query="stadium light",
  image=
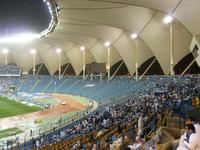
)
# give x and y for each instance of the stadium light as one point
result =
(28, 37)
(58, 51)
(48, 3)
(82, 48)
(20, 38)
(33, 52)
(134, 36)
(5, 51)
(107, 44)
(169, 20)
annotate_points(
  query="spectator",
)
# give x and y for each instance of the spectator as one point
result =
(191, 141)
(140, 125)
(193, 120)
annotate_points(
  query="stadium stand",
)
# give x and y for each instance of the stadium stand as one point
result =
(7, 82)
(130, 66)
(28, 83)
(9, 70)
(120, 106)
(41, 84)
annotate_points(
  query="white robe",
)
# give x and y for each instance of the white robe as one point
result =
(194, 142)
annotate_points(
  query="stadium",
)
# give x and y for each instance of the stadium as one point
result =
(99, 75)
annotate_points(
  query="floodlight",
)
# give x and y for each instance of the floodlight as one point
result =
(33, 51)
(168, 19)
(134, 36)
(58, 50)
(82, 48)
(20, 38)
(107, 44)
(5, 51)
(48, 3)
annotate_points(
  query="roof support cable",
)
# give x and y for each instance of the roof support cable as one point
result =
(38, 71)
(188, 67)
(116, 70)
(64, 71)
(147, 68)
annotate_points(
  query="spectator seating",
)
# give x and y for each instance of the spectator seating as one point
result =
(124, 99)
(28, 83)
(9, 70)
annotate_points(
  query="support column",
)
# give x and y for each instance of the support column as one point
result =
(83, 64)
(171, 50)
(108, 63)
(136, 60)
(34, 64)
(33, 53)
(59, 67)
(6, 58)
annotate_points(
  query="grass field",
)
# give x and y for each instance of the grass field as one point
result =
(9, 132)
(10, 108)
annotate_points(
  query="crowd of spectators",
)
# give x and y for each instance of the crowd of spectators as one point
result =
(9, 70)
(8, 82)
(170, 94)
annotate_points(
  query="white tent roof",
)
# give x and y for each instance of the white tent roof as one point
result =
(92, 22)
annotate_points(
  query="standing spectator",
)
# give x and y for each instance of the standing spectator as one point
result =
(140, 125)
(37, 143)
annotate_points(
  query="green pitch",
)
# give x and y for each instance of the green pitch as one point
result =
(10, 108)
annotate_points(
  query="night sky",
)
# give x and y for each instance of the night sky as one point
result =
(17, 16)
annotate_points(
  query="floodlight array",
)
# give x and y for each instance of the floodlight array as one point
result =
(27, 37)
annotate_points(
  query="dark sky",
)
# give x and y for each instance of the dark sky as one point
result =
(18, 16)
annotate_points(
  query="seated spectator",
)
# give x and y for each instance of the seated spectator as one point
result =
(190, 120)
(127, 140)
(99, 133)
(95, 147)
(105, 145)
(77, 145)
(193, 120)
(191, 140)
(117, 144)
(139, 142)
